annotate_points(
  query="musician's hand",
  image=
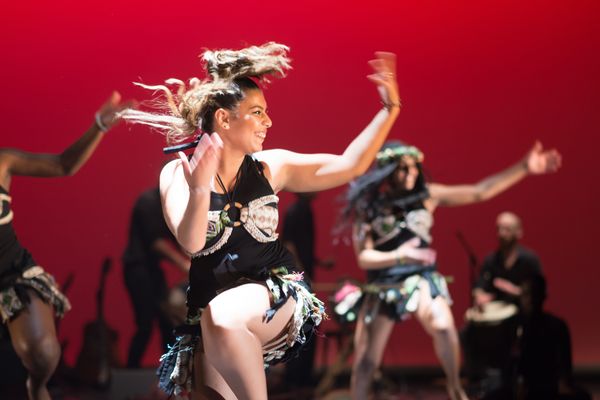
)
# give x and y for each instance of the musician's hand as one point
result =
(410, 253)
(507, 286)
(481, 297)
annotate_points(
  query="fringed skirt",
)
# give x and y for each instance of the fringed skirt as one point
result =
(14, 295)
(396, 295)
(176, 366)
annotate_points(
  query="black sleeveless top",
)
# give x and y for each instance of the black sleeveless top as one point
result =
(390, 229)
(241, 238)
(14, 259)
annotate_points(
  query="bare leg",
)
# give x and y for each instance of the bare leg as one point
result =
(33, 337)
(233, 334)
(436, 317)
(208, 383)
(369, 343)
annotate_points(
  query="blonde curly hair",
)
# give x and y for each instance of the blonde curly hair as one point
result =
(229, 74)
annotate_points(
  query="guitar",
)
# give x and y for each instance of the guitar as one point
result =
(99, 350)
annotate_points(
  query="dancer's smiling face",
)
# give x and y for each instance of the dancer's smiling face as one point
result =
(406, 174)
(245, 127)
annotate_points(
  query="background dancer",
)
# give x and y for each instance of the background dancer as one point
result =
(29, 296)
(392, 206)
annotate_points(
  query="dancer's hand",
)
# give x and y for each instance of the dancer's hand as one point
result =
(384, 76)
(540, 161)
(410, 253)
(203, 164)
(109, 114)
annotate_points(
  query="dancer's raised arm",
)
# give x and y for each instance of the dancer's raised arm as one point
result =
(70, 160)
(537, 161)
(314, 172)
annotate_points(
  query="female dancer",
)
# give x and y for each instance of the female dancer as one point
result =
(245, 295)
(28, 294)
(392, 208)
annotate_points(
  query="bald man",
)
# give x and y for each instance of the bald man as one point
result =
(488, 342)
(505, 269)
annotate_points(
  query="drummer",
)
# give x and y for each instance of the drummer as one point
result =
(505, 269)
(490, 335)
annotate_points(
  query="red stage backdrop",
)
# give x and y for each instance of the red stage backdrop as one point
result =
(480, 82)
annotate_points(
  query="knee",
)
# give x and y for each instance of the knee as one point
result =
(439, 320)
(218, 328)
(221, 320)
(40, 355)
(365, 365)
(442, 327)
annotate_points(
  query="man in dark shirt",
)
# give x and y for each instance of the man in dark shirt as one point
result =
(150, 242)
(299, 237)
(489, 338)
(299, 232)
(504, 270)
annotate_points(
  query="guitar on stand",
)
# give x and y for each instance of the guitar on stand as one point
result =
(99, 350)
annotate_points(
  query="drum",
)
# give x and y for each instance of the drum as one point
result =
(492, 313)
(488, 341)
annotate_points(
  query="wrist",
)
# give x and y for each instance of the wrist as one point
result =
(399, 257)
(525, 166)
(99, 124)
(391, 105)
(199, 190)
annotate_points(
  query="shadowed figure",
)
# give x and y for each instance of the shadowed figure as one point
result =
(545, 365)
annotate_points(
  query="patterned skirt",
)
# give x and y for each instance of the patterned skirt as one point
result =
(176, 366)
(396, 296)
(14, 296)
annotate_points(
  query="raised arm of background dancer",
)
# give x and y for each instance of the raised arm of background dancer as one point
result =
(314, 172)
(185, 192)
(537, 161)
(369, 258)
(69, 161)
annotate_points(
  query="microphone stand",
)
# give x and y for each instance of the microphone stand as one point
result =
(473, 262)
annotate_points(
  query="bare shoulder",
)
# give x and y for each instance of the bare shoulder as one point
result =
(272, 157)
(433, 200)
(273, 162)
(4, 167)
(171, 172)
(8, 155)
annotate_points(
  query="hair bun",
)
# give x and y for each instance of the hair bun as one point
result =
(255, 61)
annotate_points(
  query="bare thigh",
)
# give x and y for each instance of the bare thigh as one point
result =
(370, 339)
(33, 336)
(242, 309)
(433, 314)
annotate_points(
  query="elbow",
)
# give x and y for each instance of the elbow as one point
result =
(481, 194)
(67, 168)
(358, 170)
(66, 171)
(191, 246)
(363, 262)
